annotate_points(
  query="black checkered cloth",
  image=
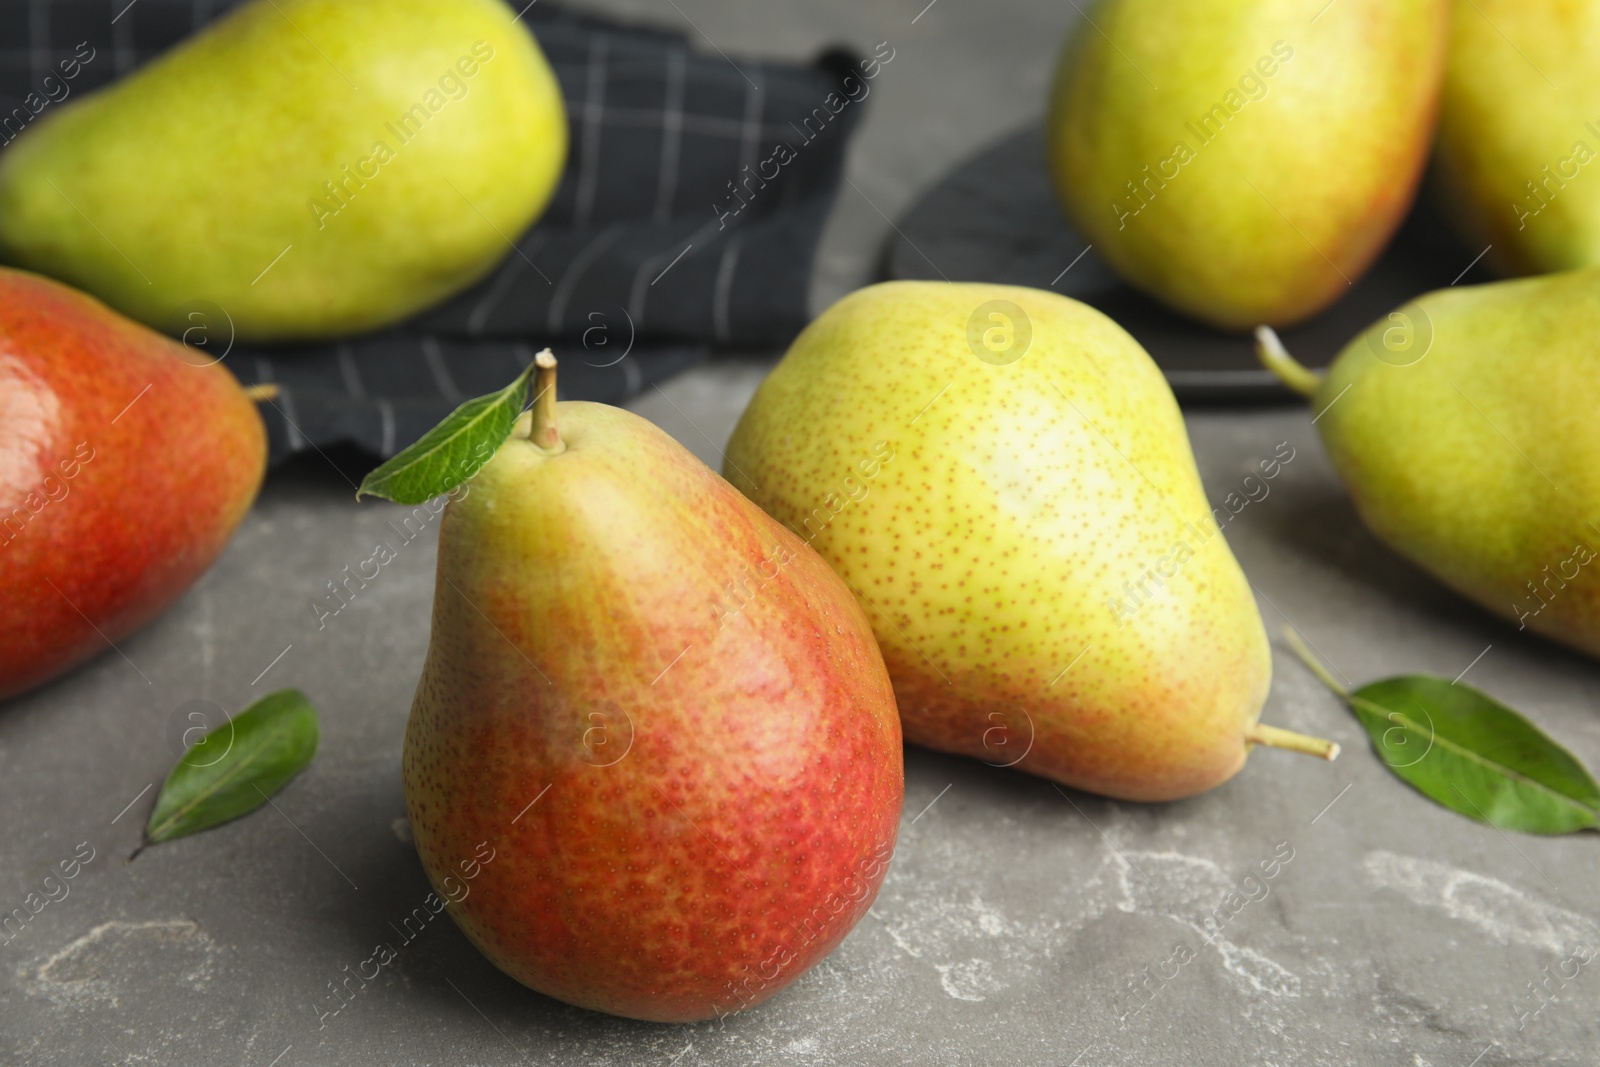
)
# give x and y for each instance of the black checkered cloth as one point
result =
(630, 274)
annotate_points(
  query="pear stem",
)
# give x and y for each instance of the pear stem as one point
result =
(1276, 358)
(545, 434)
(263, 392)
(1273, 737)
(1310, 660)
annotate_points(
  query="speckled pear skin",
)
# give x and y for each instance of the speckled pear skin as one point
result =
(126, 462)
(1480, 461)
(993, 544)
(1519, 133)
(700, 696)
(189, 179)
(1269, 211)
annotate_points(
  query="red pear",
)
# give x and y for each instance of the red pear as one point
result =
(126, 461)
(654, 760)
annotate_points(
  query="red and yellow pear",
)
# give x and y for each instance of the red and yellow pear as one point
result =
(659, 712)
(126, 461)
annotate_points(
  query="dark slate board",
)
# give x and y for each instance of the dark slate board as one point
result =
(995, 218)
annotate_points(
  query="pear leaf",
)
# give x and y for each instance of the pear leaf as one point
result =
(451, 452)
(235, 767)
(1462, 748)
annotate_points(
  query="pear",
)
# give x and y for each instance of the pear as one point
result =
(310, 167)
(126, 462)
(1002, 477)
(1515, 164)
(1463, 427)
(1244, 161)
(658, 714)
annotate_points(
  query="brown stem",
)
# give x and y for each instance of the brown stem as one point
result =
(264, 391)
(545, 434)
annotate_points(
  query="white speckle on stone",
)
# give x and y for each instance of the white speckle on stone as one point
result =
(973, 980)
(901, 942)
(1263, 975)
(1186, 888)
(1503, 912)
(1170, 883)
(101, 962)
(990, 920)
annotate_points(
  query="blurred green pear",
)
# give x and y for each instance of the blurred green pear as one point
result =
(311, 167)
(1244, 161)
(1518, 158)
(1463, 426)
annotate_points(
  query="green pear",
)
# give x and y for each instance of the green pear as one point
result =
(653, 761)
(1244, 161)
(311, 167)
(1519, 134)
(1003, 478)
(1463, 427)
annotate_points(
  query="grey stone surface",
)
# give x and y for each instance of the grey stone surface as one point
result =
(1016, 920)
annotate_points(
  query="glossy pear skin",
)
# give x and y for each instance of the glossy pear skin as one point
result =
(991, 517)
(126, 461)
(1480, 461)
(1267, 212)
(189, 179)
(723, 767)
(1517, 163)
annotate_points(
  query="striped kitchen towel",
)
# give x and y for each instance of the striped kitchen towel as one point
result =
(646, 261)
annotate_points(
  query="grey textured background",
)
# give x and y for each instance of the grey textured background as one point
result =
(1014, 922)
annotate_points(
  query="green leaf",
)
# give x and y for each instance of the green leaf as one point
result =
(236, 766)
(452, 451)
(1465, 750)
